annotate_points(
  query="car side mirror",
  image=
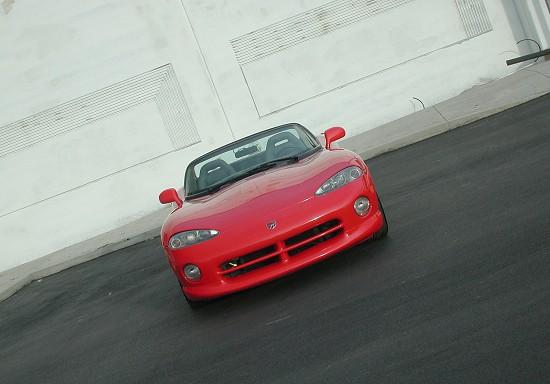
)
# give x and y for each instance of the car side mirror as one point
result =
(333, 134)
(170, 196)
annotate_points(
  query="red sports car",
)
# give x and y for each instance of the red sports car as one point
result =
(266, 206)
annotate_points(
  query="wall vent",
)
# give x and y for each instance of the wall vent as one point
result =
(307, 26)
(474, 17)
(160, 85)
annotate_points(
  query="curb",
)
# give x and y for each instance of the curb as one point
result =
(471, 105)
(145, 228)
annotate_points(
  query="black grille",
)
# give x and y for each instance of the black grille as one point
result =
(291, 246)
(247, 258)
(261, 264)
(311, 232)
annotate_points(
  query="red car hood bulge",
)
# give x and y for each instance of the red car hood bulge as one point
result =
(260, 198)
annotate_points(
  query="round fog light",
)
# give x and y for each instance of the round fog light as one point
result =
(362, 206)
(192, 272)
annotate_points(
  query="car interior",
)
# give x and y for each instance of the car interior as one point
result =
(213, 172)
(282, 144)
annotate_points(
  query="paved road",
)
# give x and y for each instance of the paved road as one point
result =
(459, 291)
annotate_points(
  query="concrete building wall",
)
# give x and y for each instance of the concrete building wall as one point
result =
(362, 74)
(104, 102)
(530, 21)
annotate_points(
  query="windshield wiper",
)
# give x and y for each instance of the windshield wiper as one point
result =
(272, 163)
(212, 189)
(292, 159)
(268, 165)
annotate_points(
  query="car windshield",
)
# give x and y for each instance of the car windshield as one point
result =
(247, 156)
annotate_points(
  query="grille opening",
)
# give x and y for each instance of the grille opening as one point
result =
(313, 243)
(248, 257)
(250, 268)
(311, 232)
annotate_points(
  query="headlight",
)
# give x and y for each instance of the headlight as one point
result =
(345, 176)
(187, 238)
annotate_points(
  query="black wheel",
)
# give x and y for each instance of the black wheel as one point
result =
(383, 232)
(192, 303)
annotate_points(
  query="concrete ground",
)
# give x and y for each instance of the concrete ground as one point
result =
(458, 293)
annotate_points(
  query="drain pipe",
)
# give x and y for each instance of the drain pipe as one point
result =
(530, 56)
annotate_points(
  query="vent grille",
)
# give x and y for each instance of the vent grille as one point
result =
(160, 85)
(274, 254)
(306, 26)
(474, 17)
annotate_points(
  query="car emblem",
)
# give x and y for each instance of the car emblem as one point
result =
(271, 225)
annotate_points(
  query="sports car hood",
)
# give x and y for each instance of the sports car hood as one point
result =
(261, 196)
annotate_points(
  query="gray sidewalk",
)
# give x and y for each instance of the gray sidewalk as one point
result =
(473, 104)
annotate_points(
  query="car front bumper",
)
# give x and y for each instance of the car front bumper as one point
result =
(313, 232)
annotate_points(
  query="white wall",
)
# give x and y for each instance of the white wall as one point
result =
(109, 162)
(535, 17)
(104, 102)
(360, 76)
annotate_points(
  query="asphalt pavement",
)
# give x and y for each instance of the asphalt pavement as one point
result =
(459, 291)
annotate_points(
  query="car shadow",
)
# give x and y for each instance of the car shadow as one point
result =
(334, 270)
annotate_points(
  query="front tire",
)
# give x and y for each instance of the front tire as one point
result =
(382, 232)
(192, 303)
